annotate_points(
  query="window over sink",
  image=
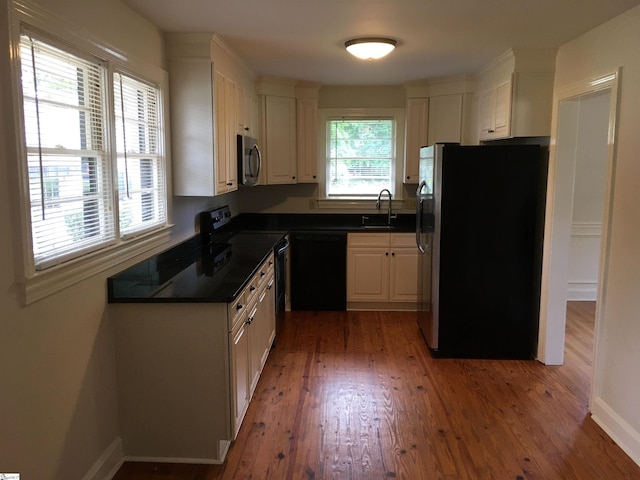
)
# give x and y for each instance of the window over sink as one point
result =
(360, 156)
(363, 152)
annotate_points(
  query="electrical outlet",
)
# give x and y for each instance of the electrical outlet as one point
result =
(313, 203)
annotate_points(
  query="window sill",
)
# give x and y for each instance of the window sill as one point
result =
(47, 282)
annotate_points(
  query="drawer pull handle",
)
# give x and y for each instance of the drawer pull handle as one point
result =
(252, 288)
(239, 306)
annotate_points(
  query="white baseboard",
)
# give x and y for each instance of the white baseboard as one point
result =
(582, 291)
(108, 464)
(617, 428)
(223, 449)
(199, 461)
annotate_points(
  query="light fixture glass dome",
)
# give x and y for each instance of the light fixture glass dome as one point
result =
(370, 48)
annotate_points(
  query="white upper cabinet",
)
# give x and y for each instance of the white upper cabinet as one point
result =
(213, 99)
(436, 111)
(515, 95)
(279, 139)
(445, 118)
(495, 111)
(307, 124)
(416, 136)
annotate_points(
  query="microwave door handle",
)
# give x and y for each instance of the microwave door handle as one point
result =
(259, 157)
(419, 215)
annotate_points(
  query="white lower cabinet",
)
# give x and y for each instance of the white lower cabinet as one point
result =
(382, 271)
(186, 372)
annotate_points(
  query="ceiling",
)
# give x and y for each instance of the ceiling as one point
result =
(304, 39)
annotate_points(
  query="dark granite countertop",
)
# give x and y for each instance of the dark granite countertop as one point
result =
(192, 272)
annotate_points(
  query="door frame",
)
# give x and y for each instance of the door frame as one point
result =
(558, 222)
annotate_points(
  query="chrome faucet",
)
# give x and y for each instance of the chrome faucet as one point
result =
(378, 204)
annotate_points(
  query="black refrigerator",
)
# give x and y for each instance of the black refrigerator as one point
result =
(479, 228)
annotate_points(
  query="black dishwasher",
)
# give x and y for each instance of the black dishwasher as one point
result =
(318, 270)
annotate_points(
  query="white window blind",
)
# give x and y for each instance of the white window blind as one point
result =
(361, 156)
(70, 190)
(141, 167)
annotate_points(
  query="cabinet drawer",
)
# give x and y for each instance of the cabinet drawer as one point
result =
(236, 309)
(251, 290)
(368, 240)
(263, 272)
(403, 240)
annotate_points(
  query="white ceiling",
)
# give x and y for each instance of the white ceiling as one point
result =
(304, 39)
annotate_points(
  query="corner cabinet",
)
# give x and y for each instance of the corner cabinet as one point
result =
(212, 100)
(382, 271)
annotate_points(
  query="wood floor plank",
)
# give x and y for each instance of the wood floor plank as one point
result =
(356, 396)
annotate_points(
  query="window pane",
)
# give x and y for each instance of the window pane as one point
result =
(141, 169)
(360, 156)
(69, 176)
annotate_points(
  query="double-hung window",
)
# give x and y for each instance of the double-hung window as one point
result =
(360, 156)
(65, 121)
(94, 158)
(140, 169)
(363, 152)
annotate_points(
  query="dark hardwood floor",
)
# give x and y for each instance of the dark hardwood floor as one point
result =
(356, 395)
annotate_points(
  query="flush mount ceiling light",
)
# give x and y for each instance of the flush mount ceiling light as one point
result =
(370, 48)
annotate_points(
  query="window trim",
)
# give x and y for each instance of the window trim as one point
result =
(32, 284)
(350, 201)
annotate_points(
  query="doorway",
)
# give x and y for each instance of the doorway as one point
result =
(581, 156)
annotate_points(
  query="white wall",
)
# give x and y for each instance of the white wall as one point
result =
(617, 384)
(58, 413)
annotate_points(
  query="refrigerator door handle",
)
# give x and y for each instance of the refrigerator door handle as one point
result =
(419, 214)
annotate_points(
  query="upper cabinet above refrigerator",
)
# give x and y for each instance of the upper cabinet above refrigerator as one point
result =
(515, 94)
(436, 112)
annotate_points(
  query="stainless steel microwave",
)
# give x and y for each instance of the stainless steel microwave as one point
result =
(249, 161)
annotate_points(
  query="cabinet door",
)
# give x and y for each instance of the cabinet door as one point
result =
(416, 136)
(307, 123)
(280, 129)
(231, 159)
(403, 285)
(243, 112)
(502, 113)
(495, 111)
(486, 108)
(445, 118)
(368, 274)
(239, 352)
(221, 130)
(255, 321)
